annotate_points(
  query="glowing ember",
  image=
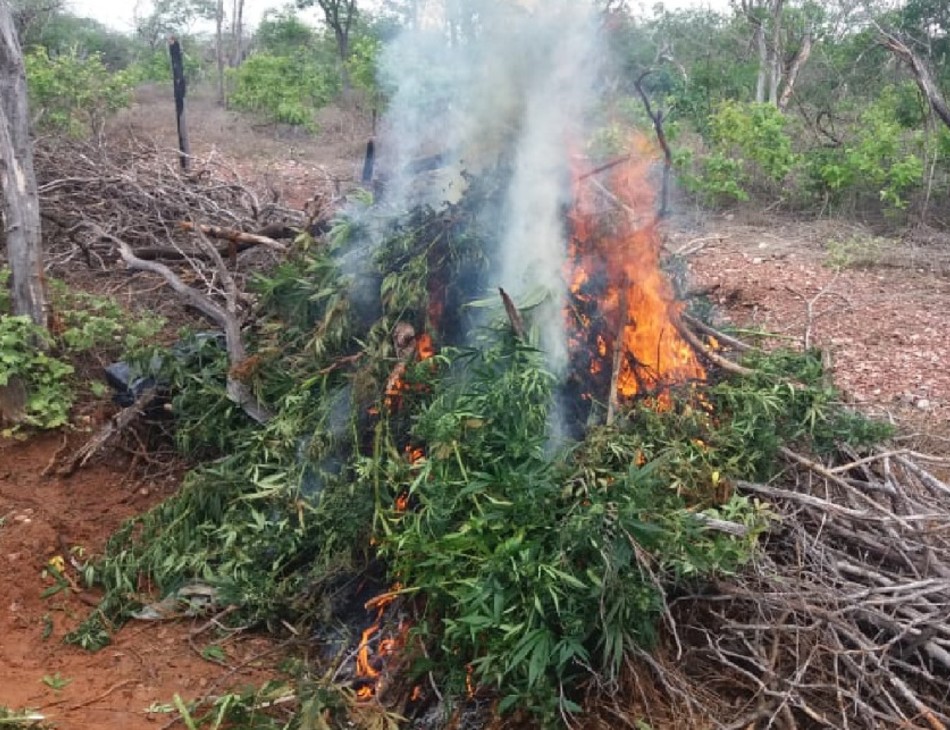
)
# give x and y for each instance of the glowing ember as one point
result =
(622, 315)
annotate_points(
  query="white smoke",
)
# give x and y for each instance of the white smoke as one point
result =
(509, 81)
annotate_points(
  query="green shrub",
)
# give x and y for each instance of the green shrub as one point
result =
(755, 135)
(45, 378)
(156, 66)
(86, 323)
(880, 159)
(286, 89)
(748, 148)
(72, 94)
(361, 63)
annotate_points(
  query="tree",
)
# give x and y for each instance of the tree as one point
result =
(340, 16)
(30, 16)
(772, 40)
(172, 18)
(219, 48)
(922, 75)
(237, 33)
(21, 211)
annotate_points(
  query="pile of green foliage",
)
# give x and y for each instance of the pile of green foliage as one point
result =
(531, 563)
(44, 361)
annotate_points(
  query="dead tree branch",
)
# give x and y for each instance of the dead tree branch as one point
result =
(922, 76)
(237, 391)
(657, 118)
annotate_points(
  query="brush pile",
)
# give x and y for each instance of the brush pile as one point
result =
(418, 506)
(135, 192)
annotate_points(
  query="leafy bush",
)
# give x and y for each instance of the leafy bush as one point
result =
(84, 322)
(748, 148)
(880, 159)
(756, 135)
(286, 89)
(44, 378)
(362, 61)
(73, 94)
(156, 66)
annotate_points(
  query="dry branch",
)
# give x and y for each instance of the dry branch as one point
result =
(842, 621)
(234, 235)
(714, 357)
(227, 320)
(514, 316)
(719, 335)
(111, 428)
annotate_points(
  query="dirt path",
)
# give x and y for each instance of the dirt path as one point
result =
(147, 663)
(283, 163)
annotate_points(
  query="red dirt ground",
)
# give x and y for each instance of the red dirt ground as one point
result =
(884, 316)
(147, 663)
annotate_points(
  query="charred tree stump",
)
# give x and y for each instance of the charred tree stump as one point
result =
(369, 162)
(180, 86)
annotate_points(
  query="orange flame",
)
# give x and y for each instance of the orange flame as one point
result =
(620, 297)
(425, 348)
(367, 662)
(396, 385)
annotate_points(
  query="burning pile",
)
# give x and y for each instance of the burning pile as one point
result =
(525, 486)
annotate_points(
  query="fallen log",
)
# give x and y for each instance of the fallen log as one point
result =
(234, 235)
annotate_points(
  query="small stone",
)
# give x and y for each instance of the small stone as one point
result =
(757, 260)
(923, 404)
(20, 518)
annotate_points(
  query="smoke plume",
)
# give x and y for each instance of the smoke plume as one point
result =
(477, 83)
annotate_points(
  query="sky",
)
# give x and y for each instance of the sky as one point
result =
(119, 14)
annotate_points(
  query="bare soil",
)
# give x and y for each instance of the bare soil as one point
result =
(879, 307)
(883, 315)
(148, 662)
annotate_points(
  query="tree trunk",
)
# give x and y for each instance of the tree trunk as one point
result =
(180, 87)
(343, 43)
(922, 76)
(21, 211)
(775, 50)
(759, 37)
(219, 48)
(804, 51)
(237, 32)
